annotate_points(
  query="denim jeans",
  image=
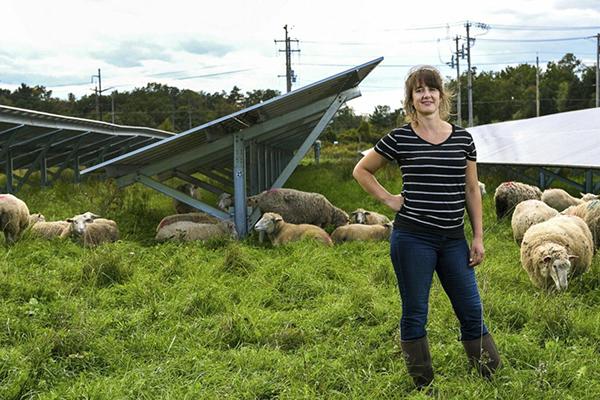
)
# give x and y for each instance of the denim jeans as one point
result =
(415, 257)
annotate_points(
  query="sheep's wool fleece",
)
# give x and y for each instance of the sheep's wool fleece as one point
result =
(567, 231)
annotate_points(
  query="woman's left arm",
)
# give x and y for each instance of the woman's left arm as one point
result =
(475, 211)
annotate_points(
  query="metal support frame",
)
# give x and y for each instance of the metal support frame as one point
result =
(239, 184)
(41, 161)
(169, 191)
(6, 153)
(72, 154)
(195, 181)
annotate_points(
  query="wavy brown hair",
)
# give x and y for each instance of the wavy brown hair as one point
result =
(425, 75)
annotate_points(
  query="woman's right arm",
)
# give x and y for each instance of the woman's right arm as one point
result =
(364, 173)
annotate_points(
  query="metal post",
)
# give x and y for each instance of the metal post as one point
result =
(598, 70)
(469, 77)
(8, 171)
(537, 86)
(239, 184)
(458, 98)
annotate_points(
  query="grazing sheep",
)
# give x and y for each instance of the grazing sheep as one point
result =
(91, 231)
(528, 213)
(197, 217)
(280, 232)
(509, 194)
(190, 190)
(187, 231)
(49, 229)
(590, 213)
(555, 250)
(298, 207)
(352, 232)
(14, 217)
(482, 188)
(362, 216)
(560, 200)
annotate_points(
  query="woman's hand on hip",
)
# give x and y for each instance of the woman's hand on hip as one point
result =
(395, 202)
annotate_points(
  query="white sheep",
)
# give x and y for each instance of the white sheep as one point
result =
(509, 194)
(280, 232)
(354, 232)
(560, 200)
(91, 231)
(528, 213)
(187, 231)
(49, 229)
(197, 217)
(14, 217)
(190, 190)
(555, 250)
(362, 216)
(590, 213)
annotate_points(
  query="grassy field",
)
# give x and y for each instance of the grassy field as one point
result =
(242, 320)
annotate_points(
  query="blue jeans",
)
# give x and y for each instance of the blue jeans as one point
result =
(415, 256)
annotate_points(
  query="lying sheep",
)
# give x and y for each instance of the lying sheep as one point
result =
(35, 218)
(590, 213)
(528, 213)
(362, 216)
(225, 201)
(560, 200)
(298, 207)
(49, 229)
(353, 232)
(14, 217)
(280, 232)
(91, 231)
(509, 194)
(190, 190)
(555, 250)
(187, 231)
(197, 217)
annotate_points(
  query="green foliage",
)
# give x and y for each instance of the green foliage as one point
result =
(135, 319)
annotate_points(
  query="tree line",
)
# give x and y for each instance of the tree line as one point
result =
(498, 96)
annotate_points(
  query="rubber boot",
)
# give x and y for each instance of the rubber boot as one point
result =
(418, 361)
(483, 355)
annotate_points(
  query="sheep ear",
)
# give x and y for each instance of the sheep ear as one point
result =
(94, 216)
(278, 219)
(367, 213)
(69, 220)
(354, 213)
(572, 257)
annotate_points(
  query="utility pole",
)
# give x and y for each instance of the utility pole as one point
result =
(597, 70)
(537, 86)
(98, 92)
(459, 54)
(289, 72)
(469, 77)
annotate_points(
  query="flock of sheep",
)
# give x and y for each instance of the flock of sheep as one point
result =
(558, 234)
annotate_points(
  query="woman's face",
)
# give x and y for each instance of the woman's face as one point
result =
(426, 100)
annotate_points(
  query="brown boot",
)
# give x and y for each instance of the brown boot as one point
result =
(418, 360)
(483, 355)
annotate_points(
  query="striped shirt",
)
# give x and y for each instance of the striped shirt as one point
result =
(433, 179)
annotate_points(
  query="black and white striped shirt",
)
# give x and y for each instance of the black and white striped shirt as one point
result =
(433, 177)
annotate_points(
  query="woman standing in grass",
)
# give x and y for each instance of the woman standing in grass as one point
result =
(439, 176)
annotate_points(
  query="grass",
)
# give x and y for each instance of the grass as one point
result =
(242, 320)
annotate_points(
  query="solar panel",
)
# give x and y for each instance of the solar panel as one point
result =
(243, 153)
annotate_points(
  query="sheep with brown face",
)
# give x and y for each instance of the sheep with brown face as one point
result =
(362, 216)
(280, 232)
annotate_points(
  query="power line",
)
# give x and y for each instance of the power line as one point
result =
(537, 40)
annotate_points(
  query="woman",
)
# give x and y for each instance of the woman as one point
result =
(439, 175)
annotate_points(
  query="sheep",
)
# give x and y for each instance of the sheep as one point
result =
(225, 201)
(49, 229)
(560, 200)
(590, 213)
(186, 231)
(14, 217)
(482, 188)
(362, 216)
(509, 194)
(280, 232)
(555, 250)
(352, 232)
(35, 218)
(298, 207)
(190, 190)
(528, 213)
(91, 231)
(197, 217)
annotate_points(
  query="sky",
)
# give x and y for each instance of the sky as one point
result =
(213, 46)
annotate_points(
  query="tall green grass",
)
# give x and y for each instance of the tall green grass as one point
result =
(243, 320)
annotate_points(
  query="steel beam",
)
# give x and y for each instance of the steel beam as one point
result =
(239, 184)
